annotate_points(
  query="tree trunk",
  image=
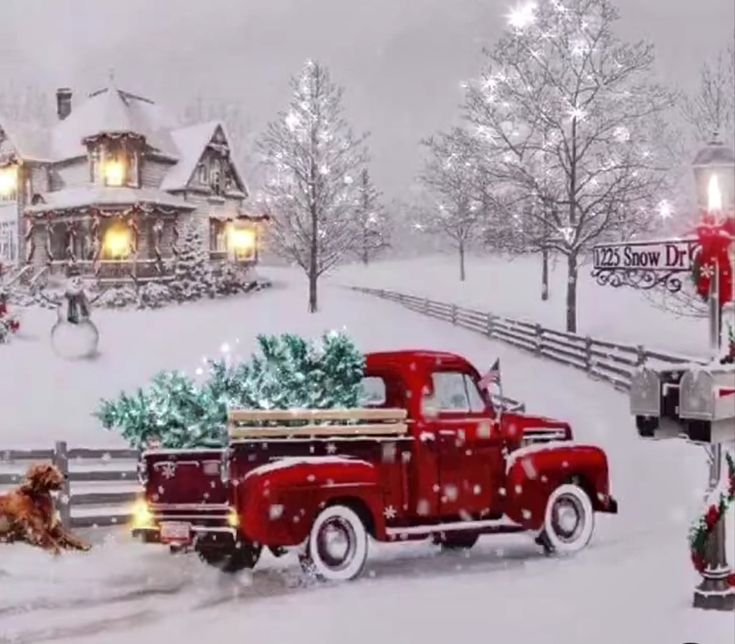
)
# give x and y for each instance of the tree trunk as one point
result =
(313, 261)
(313, 302)
(572, 293)
(544, 274)
(462, 272)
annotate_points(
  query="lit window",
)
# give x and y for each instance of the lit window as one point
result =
(8, 183)
(241, 243)
(117, 242)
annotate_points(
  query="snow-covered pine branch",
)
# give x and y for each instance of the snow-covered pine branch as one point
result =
(311, 160)
(569, 115)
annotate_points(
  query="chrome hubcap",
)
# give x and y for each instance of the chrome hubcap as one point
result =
(567, 518)
(336, 543)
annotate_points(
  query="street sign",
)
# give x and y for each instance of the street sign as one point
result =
(644, 264)
(669, 256)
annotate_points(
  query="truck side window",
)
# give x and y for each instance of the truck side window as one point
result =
(372, 392)
(456, 391)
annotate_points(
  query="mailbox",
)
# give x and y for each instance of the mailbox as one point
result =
(707, 403)
(654, 401)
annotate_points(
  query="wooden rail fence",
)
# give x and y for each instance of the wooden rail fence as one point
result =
(609, 361)
(80, 505)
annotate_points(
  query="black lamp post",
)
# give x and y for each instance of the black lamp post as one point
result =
(714, 175)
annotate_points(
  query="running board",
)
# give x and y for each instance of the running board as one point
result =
(498, 525)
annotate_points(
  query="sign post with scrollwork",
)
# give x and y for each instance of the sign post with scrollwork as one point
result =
(644, 264)
(697, 403)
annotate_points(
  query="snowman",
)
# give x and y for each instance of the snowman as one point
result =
(74, 335)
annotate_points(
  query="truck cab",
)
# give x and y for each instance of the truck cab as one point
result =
(429, 455)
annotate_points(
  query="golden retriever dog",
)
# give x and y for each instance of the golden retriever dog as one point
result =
(28, 514)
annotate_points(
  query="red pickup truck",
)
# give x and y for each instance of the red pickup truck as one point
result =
(429, 456)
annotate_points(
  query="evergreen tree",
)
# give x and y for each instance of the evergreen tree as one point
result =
(192, 275)
(288, 372)
(371, 219)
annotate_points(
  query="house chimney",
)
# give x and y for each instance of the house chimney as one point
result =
(63, 102)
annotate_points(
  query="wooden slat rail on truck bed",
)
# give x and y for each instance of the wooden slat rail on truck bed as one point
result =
(284, 423)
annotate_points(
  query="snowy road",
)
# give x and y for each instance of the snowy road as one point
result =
(632, 585)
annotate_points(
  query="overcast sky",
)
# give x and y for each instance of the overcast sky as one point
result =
(401, 61)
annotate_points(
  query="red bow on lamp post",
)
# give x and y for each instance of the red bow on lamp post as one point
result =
(713, 258)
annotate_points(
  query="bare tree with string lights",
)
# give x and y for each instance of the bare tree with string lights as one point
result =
(569, 115)
(312, 159)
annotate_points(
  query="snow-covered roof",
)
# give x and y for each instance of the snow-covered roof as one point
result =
(28, 140)
(114, 111)
(111, 110)
(96, 195)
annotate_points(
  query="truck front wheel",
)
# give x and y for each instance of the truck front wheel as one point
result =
(569, 520)
(337, 546)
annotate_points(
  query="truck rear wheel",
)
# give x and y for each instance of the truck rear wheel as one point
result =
(241, 556)
(569, 520)
(337, 546)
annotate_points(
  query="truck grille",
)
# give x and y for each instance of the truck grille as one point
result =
(535, 436)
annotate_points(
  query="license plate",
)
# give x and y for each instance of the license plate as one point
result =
(175, 531)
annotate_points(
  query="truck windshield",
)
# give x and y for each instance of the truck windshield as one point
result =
(457, 391)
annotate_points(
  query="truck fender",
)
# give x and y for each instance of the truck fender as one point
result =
(277, 503)
(534, 472)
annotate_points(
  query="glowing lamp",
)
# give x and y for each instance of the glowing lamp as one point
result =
(714, 194)
(142, 515)
(714, 176)
(117, 242)
(8, 181)
(114, 173)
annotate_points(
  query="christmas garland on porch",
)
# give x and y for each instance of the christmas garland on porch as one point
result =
(716, 507)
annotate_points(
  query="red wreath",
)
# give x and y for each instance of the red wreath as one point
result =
(712, 256)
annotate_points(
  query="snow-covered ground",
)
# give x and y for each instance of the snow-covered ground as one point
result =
(634, 584)
(511, 286)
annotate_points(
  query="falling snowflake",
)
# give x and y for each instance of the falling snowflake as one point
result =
(331, 448)
(390, 512)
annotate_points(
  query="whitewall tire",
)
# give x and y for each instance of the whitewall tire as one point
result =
(336, 549)
(569, 520)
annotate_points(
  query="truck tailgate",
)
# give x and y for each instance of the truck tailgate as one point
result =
(183, 478)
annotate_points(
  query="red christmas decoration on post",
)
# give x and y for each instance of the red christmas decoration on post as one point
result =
(713, 257)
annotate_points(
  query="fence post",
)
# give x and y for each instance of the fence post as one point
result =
(588, 353)
(539, 330)
(640, 355)
(490, 325)
(454, 314)
(61, 461)
(426, 306)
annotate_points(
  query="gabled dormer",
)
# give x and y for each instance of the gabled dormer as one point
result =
(206, 164)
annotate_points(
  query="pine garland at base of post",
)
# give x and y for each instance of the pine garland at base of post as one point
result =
(288, 372)
(716, 506)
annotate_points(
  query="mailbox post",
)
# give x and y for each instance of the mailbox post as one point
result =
(697, 404)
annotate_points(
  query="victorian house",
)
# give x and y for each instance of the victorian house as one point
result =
(111, 186)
